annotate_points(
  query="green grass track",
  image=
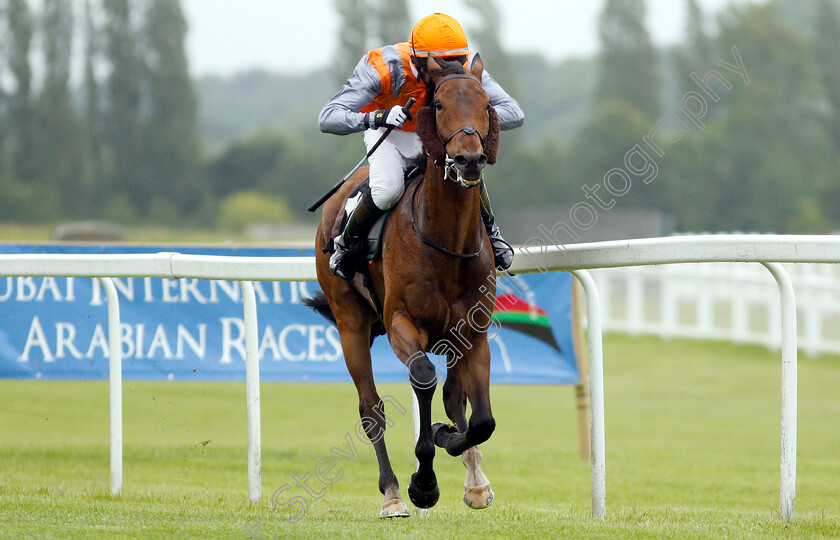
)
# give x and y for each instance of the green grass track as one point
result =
(692, 434)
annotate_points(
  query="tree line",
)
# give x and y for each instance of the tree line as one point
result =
(114, 138)
(762, 158)
(117, 138)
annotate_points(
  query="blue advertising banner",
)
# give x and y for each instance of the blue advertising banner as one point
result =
(188, 329)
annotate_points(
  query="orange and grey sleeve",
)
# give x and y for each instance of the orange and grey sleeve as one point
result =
(342, 113)
(510, 112)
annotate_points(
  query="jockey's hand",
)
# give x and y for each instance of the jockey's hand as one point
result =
(396, 116)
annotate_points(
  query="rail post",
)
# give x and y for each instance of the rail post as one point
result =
(252, 390)
(787, 484)
(114, 383)
(596, 394)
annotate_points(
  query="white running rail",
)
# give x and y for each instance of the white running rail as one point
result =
(769, 250)
(172, 265)
(766, 249)
(732, 302)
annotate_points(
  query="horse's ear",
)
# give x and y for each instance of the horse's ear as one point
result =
(432, 64)
(427, 130)
(477, 67)
(491, 148)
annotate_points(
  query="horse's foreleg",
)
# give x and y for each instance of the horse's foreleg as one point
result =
(408, 345)
(474, 371)
(455, 399)
(477, 491)
(356, 346)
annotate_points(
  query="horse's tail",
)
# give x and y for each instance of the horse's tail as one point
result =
(319, 303)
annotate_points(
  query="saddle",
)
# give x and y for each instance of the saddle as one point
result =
(372, 245)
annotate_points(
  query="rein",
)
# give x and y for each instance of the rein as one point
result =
(426, 240)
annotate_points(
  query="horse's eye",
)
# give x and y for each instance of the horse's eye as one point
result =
(438, 105)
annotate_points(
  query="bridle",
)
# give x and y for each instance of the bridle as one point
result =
(451, 172)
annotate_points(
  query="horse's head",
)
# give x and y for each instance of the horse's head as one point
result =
(459, 129)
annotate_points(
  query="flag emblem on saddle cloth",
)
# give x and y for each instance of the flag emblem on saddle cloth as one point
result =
(515, 313)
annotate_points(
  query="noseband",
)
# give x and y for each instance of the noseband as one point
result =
(451, 172)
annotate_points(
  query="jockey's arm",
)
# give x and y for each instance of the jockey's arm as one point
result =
(341, 115)
(510, 113)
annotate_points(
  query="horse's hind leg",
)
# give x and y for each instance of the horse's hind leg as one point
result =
(477, 491)
(355, 341)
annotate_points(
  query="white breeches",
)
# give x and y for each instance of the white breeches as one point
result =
(388, 164)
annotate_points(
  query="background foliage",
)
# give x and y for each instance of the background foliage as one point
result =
(134, 140)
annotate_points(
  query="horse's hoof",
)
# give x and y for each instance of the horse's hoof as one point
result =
(442, 429)
(394, 508)
(478, 498)
(423, 496)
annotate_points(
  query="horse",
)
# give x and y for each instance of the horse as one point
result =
(433, 290)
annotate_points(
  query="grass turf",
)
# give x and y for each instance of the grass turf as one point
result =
(692, 452)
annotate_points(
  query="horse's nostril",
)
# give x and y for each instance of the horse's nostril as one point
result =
(470, 161)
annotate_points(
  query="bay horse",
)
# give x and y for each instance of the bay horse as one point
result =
(435, 286)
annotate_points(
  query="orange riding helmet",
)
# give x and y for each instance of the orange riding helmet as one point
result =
(438, 34)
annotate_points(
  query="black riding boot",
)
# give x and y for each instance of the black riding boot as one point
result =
(349, 244)
(502, 251)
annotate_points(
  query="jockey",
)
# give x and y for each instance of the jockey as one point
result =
(372, 100)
